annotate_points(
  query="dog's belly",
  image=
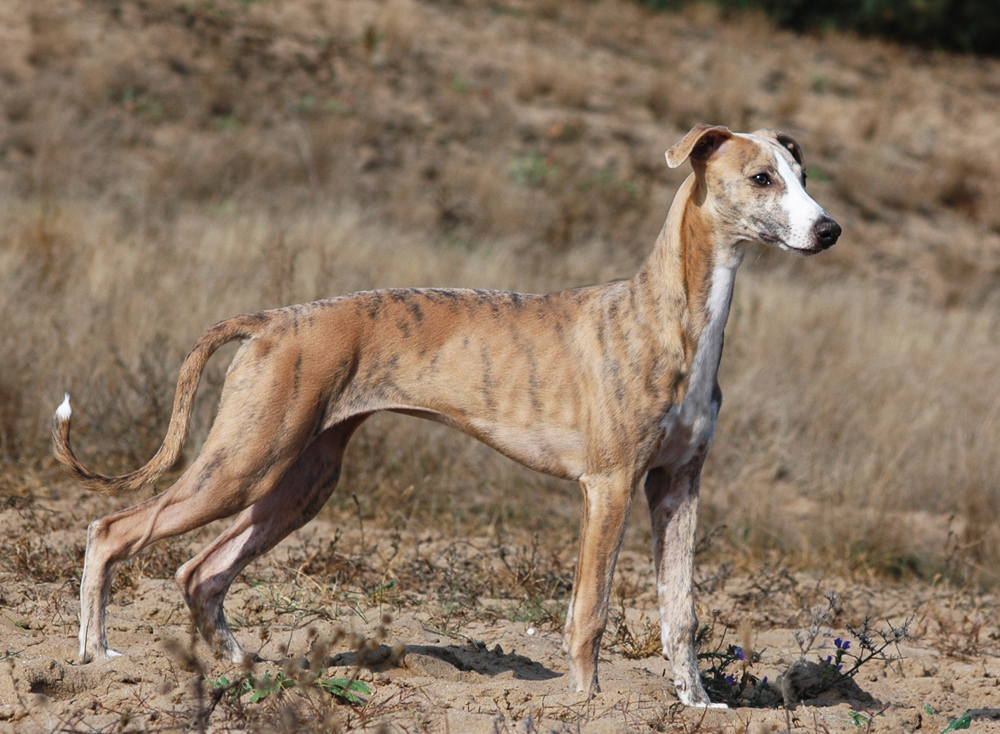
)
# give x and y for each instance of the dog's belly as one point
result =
(555, 451)
(550, 450)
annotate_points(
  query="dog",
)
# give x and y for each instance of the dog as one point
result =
(611, 385)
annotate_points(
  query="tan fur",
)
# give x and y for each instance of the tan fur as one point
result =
(604, 385)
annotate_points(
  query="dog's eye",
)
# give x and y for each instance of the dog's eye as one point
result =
(761, 179)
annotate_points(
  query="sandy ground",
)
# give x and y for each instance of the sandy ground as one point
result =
(445, 619)
(444, 657)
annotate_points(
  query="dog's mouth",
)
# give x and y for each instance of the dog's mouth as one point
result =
(770, 239)
(800, 251)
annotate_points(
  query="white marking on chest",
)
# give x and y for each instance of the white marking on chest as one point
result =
(688, 427)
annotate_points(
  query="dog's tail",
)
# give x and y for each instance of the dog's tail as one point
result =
(238, 327)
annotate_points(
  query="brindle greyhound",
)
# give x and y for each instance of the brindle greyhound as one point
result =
(612, 385)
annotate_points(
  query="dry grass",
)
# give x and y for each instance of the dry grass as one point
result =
(838, 442)
(236, 156)
(864, 438)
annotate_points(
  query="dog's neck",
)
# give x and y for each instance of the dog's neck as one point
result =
(686, 285)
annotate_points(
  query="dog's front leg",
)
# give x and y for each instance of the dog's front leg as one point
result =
(673, 510)
(606, 503)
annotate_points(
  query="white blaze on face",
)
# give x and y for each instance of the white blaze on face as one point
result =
(802, 211)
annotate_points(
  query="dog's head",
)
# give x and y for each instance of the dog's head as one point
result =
(754, 185)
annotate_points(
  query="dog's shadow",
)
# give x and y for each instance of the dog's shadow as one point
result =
(987, 714)
(808, 682)
(448, 662)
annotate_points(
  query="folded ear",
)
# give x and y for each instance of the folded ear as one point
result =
(787, 141)
(699, 144)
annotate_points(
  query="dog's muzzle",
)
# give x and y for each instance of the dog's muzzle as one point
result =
(826, 232)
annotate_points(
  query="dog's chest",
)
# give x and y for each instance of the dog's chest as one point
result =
(688, 427)
(687, 432)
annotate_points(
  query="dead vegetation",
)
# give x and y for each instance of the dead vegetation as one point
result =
(164, 165)
(358, 628)
(203, 159)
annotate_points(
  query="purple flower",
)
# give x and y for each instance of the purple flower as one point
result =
(842, 644)
(731, 681)
(739, 654)
(829, 659)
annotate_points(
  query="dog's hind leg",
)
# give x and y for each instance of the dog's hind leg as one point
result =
(673, 508)
(302, 492)
(116, 538)
(231, 474)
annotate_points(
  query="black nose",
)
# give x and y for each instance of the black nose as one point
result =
(827, 232)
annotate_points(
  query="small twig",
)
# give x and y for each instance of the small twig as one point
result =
(361, 524)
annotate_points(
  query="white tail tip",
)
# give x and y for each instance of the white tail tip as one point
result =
(64, 411)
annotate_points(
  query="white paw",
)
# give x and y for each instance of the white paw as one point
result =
(684, 694)
(106, 654)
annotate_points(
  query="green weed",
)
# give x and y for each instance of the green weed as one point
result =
(532, 170)
(347, 690)
(962, 722)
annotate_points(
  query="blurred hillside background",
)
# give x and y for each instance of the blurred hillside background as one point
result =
(167, 163)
